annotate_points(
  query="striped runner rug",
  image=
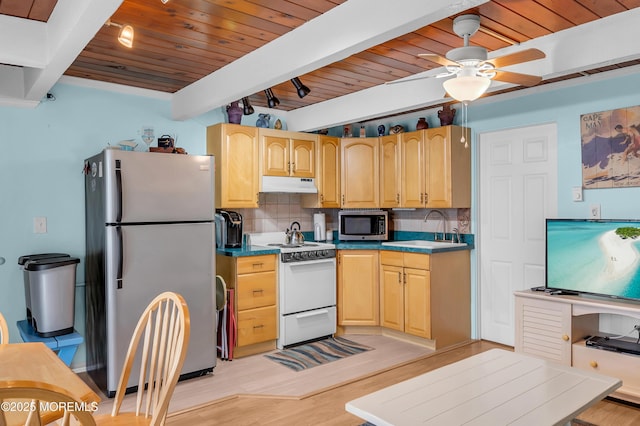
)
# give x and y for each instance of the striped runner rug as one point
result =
(312, 354)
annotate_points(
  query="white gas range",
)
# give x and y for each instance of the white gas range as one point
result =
(306, 288)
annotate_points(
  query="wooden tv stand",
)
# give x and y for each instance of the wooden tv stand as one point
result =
(554, 327)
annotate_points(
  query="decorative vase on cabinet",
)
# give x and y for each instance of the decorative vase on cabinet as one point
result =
(446, 115)
(422, 124)
(234, 113)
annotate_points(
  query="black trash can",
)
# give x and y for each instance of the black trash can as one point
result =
(52, 283)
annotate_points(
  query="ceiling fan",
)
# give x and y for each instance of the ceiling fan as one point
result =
(468, 63)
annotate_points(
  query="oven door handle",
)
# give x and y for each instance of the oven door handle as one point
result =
(311, 262)
(312, 313)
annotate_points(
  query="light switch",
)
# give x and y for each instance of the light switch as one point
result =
(594, 211)
(576, 193)
(40, 225)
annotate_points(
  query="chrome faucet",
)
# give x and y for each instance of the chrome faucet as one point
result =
(444, 224)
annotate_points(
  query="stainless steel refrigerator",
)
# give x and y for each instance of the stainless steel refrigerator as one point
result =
(149, 229)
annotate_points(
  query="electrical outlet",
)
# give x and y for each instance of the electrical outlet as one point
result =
(576, 192)
(40, 225)
(594, 211)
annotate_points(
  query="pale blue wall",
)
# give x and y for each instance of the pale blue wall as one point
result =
(42, 152)
(41, 158)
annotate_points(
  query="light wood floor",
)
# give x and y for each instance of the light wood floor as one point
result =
(326, 406)
(254, 391)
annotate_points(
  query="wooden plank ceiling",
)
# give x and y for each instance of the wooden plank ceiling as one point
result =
(179, 42)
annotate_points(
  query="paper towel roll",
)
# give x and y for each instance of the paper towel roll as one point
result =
(319, 227)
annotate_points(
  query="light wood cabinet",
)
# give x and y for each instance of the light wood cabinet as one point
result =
(405, 290)
(255, 283)
(435, 170)
(427, 295)
(328, 176)
(554, 327)
(358, 289)
(389, 171)
(287, 153)
(359, 172)
(237, 176)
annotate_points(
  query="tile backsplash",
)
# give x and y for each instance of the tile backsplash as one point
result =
(278, 211)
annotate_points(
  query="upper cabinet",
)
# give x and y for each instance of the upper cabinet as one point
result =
(389, 171)
(328, 176)
(360, 178)
(287, 153)
(237, 175)
(435, 169)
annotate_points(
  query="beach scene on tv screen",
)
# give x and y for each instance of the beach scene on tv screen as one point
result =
(594, 257)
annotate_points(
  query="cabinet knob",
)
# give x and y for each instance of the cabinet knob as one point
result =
(565, 337)
(593, 364)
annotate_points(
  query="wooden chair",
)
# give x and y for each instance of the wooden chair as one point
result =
(40, 404)
(165, 324)
(4, 330)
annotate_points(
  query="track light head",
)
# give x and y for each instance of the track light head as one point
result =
(247, 109)
(272, 101)
(301, 88)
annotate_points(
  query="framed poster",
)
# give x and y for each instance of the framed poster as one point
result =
(611, 148)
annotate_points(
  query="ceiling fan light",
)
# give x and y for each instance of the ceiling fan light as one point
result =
(126, 36)
(466, 88)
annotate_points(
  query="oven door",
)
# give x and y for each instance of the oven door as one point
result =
(307, 285)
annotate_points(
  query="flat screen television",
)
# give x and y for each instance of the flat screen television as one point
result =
(596, 257)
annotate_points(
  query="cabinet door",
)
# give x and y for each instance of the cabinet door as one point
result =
(389, 171)
(417, 302)
(329, 172)
(412, 169)
(235, 149)
(358, 288)
(275, 156)
(392, 297)
(359, 172)
(543, 329)
(302, 158)
(448, 178)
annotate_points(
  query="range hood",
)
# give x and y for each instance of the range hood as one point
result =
(289, 184)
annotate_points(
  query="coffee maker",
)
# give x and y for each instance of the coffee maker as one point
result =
(228, 229)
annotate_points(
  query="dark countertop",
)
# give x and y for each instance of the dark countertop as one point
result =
(362, 245)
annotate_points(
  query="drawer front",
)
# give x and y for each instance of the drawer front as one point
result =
(256, 290)
(393, 258)
(298, 327)
(416, 261)
(622, 366)
(250, 264)
(257, 325)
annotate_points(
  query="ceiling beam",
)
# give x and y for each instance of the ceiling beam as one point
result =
(44, 51)
(346, 29)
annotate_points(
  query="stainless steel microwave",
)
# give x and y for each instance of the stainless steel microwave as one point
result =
(363, 225)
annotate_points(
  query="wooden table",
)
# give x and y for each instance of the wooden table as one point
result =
(35, 361)
(495, 387)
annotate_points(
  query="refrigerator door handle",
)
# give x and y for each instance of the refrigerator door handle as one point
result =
(118, 192)
(120, 257)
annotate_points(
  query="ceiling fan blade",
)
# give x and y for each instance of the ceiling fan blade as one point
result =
(517, 58)
(438, 59)
(517, 78)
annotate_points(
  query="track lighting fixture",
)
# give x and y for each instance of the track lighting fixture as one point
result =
(126, 33)
(246, 106)
(272, 101)
(301, 88)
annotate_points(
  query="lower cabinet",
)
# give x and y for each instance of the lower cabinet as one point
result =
(254, 280)
(555, 327)
(427, 295)
(358, 289)
(406, 292)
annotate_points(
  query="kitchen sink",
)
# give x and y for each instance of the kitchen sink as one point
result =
(423, 244)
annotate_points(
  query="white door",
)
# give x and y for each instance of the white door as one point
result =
(518, 190)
